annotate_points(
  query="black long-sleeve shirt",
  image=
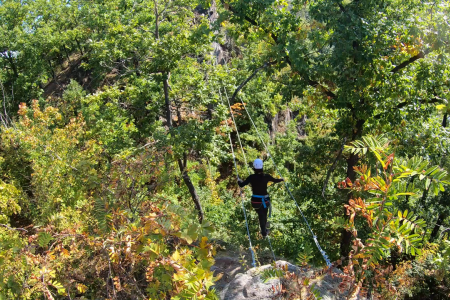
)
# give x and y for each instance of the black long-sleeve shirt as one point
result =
(259, 183)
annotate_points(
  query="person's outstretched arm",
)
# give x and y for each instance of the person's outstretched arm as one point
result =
(275, 180)
(245, 182)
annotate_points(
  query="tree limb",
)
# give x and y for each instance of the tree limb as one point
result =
(312, 83)
(247, 80)
(408, 62)
(403, 104)
(333, 166)
(13, 228)
(327, 92)
(251, 21)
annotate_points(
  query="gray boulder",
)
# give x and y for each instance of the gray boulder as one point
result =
(236, 284)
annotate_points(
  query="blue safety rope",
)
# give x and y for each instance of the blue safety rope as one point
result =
(240, 192)
(245, 159)
(325, 256)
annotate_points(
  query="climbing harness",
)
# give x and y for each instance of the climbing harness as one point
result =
(263, 202)
(263, 198)
(325, 256)
(245, 160)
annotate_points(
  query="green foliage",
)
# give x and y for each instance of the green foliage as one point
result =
(43, 239)
(131, 249)
(305, 256)
(420, 277)
(374, 144)
(271, 273)
(442, 260)
(92, 161)
(61, 159)
(292, 285)
(9, 201)
(389, 228)
(107, 122)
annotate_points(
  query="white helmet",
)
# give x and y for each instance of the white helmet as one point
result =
(258, 164)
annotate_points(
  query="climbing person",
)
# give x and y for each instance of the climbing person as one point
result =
(260, 198)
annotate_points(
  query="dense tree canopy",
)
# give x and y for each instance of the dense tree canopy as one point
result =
(117, 174)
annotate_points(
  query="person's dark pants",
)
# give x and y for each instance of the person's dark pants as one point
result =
(262, 214)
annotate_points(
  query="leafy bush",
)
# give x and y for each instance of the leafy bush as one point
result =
(151, 257)
(375, 195)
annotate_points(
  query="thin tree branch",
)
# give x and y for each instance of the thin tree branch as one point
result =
(403, 104)
(333, 166)
(341, 7)
(5, 118)
(327, 92)
(312, 83)
(444, 231)
(247, 80)
(13, 228)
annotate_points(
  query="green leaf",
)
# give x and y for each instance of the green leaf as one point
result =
(44, 238)
(185, 235)
(402, 227)
(427, 183)
(405, 194)
(431, 170)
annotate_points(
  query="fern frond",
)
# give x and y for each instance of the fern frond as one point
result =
(271, 273)
(374, 143)
(101, 214)
(377, 145)
(434, 177)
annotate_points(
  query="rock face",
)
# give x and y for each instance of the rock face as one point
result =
(239, 285)
(280, 121)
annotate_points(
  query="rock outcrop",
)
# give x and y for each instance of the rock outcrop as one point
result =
(237, 284)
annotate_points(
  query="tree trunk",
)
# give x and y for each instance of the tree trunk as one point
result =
(352, 161)
(51, 69)
(67, 53)
(442, 215)
(60, 58)
(79, 46)
(346, 236)
(13, 65)
(182, 163)
(437, 226)
(192, 191)
(166, 97)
